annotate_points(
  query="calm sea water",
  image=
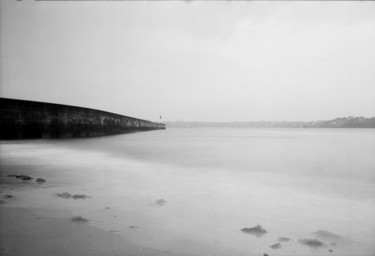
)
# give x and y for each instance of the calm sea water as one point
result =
(191, 191)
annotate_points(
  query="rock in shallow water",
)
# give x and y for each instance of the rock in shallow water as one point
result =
(313, 243)
(65, 195)
(80, 196)
(276, 246)
(257, 231)
(21, 177)
(161, 202)
(284, 239)
(79, 219)
(40, 180)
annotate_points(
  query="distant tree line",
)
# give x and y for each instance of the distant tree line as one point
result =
(342, 122)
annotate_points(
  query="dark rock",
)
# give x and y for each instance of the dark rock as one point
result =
(276, 246)
(8, 196)
(313, 243)
(161, 202)
(265, 254)
(257, 231)
(12, 175)
(40, 180)
(284, 239)
(79, 219)
(65, 195)
(330, 250)
(24, 177)
(80, 196)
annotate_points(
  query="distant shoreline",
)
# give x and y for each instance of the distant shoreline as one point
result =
(343, 122)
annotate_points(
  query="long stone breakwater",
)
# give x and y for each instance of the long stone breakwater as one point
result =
(21, 119)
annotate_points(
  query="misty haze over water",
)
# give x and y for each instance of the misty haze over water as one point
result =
(217, 191)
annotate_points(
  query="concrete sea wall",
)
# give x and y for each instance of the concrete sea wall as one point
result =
(21, 119)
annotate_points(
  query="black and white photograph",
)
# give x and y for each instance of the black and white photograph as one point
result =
(187, 128)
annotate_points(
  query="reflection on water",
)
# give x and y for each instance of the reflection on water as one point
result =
(195, 191)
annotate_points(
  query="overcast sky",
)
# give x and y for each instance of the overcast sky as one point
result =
(193, 61)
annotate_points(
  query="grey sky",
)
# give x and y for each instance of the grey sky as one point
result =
(193, 61)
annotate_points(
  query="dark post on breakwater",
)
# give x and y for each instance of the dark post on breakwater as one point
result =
(22, 119)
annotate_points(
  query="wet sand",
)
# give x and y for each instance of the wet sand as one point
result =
(29, 231)
(50, 218)
(43, 230)
(26, 232)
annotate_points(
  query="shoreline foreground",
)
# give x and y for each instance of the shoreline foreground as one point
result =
(41, 230)
(26, 231)
(184, 192)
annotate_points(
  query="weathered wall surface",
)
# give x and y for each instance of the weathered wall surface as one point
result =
(21, 119)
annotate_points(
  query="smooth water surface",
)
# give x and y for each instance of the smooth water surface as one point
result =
(191, 191)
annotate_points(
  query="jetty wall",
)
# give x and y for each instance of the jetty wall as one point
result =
(21, 119)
